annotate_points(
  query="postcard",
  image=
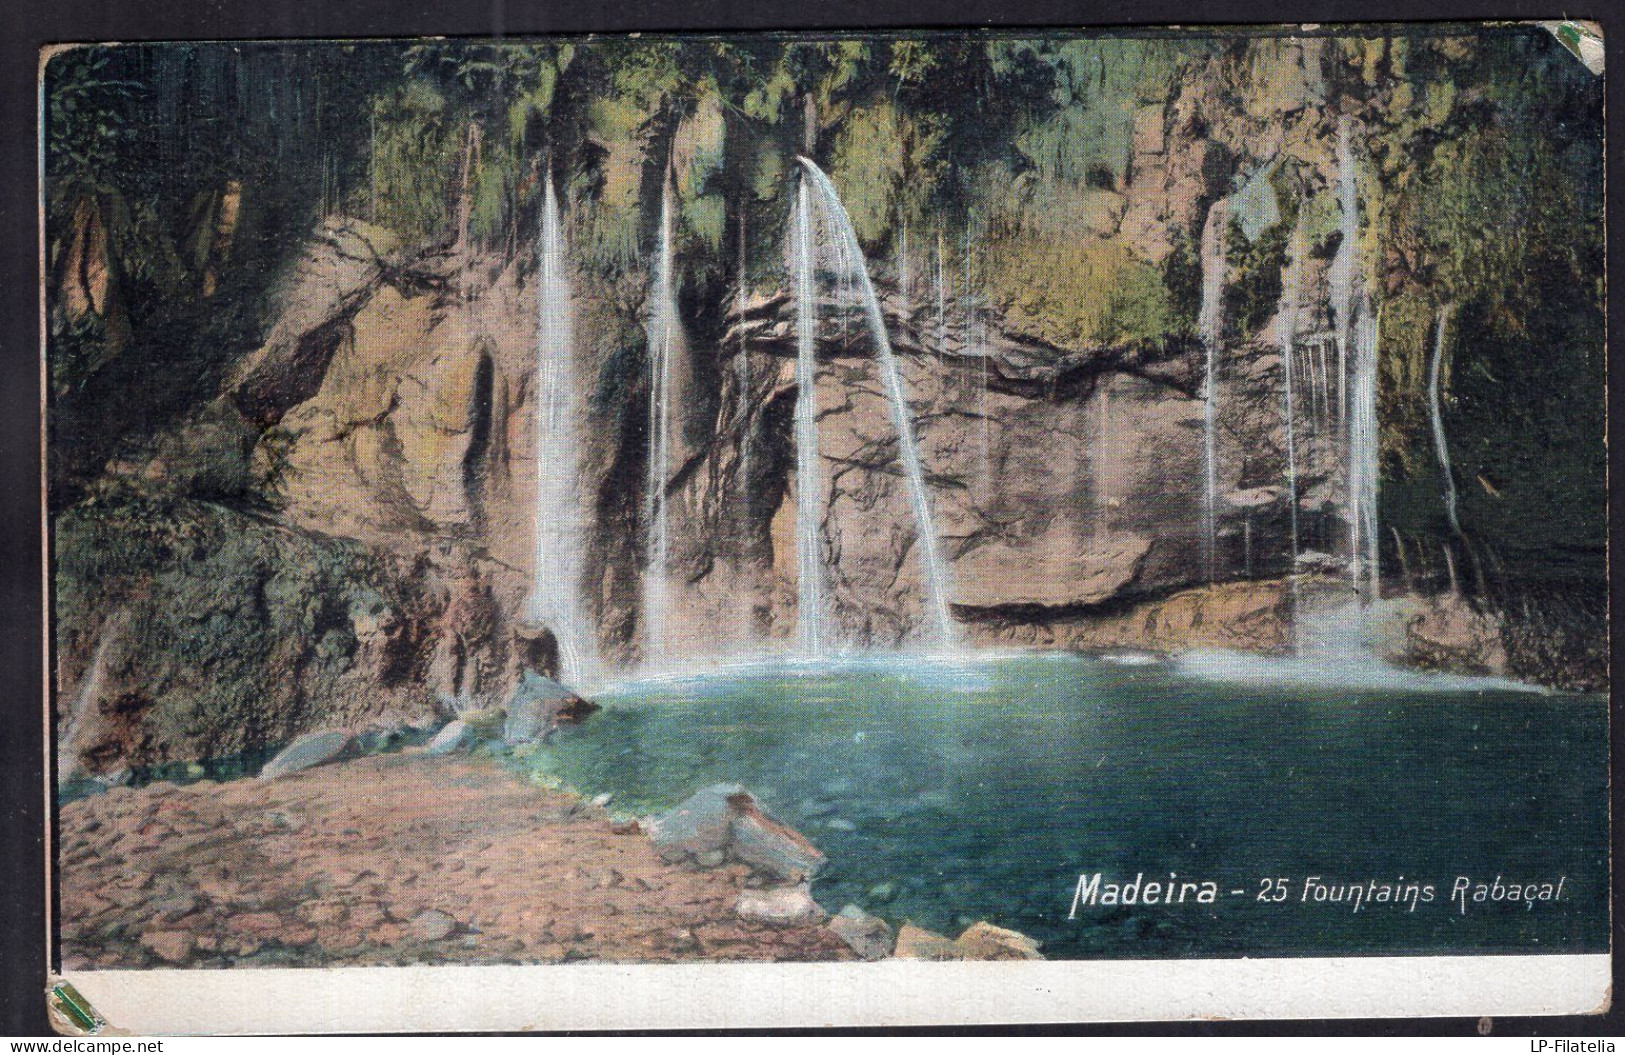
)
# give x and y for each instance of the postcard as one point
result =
(874, 528)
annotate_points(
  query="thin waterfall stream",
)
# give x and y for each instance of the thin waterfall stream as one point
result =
(938, 591)
(555, 594)
(1436, 419)
(810, 611)
(1287, 322)
(1210, 324)
(662, 330)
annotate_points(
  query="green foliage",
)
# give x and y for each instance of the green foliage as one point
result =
(871, 159)
(228, 613)
(1078, 294)
(1252, 291)
(87, 124)
(1487, 184)
(1097, 87)
(414, 157)
(1182, 276)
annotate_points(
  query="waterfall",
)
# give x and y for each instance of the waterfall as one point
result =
(662, 330)
(1362, 496)
(935, 571)
(1210, 324)
(810, 615)
(1287, 322)
(1437, 418)
(1357, 337)
(556, 574)
(1322, 402)
(976, 329)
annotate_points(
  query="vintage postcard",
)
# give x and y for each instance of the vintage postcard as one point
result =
(827, 529)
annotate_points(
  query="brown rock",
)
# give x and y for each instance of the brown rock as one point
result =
(170, 945)
(783, 906)
(917, 943)
(984, 941)
(1050, 572)
(262, 925)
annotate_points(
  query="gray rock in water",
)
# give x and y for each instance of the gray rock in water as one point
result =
(781, 906)
(868, 936)
(725, 819)
(700, 824)
(769, 846)
(537, 705)
(309, 750)
(453, 737)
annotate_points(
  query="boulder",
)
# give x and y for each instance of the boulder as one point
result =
(537, 705)
(725, 821)
(780, 906)
(768, 846)
(700, 824)
(1441, 633)
(312, 749)
(868, 936)
(453, 737)
(917, 943)
(984, 941)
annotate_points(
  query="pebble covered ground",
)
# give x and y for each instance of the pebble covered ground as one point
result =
(390, 859)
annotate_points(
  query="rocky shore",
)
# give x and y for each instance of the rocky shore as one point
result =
(413, 857)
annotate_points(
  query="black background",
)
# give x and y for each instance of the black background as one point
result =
(26, 25)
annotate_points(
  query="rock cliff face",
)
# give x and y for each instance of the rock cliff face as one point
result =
(340, 528)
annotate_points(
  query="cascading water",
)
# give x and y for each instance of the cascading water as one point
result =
(1210, 325)
(976, 328)
(555, 594)
(810, 613)
(937, 586)
(1435, 415)
(662, 331)
(1287, 321)
(1362, 497)
(1357, 337)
